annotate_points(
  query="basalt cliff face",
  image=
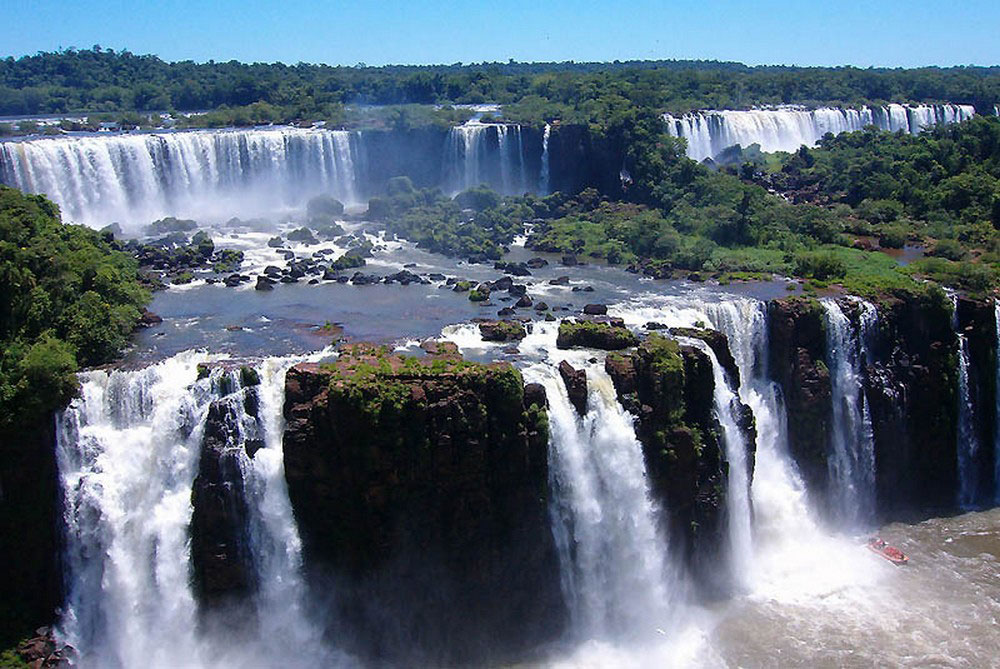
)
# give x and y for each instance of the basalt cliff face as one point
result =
(669, 389)
(419, 486)
(909, 375)
(31, 587)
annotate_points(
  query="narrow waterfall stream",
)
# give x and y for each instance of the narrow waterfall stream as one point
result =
(727, 411)
(852, 460)
(616, 571)
(968, 441)
(545, 180)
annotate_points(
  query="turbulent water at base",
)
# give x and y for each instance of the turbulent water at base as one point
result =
(128, 453)
(615, 567)
(140, 177)
(786, 129)
(852, 458)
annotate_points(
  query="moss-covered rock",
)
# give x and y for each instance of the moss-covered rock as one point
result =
(607, 336)
(420, 486)
(669, 388)
(502, 330)
(719, 344)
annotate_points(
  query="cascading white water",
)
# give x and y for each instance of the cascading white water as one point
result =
(968, 441)
(133, 179)
(543, 182)
(787, 128)
(128, 452)
(462, 159)
(738, 494)
(614, 562)
(470, 161)
(852, 460)
(512, 175)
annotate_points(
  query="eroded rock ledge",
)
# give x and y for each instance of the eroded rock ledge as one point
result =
(420, 490)
(669, 388)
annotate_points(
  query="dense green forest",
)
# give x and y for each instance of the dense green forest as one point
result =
(841, 213)
(69, 299)
(102, 80)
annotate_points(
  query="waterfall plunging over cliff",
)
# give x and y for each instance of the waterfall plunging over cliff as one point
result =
(129, 451)
(136, 178)
(512, 170)
(786, 129)
(614, 561)
(852, 459)
(492, 153)
(728, 413)
(544, 180)
(968, 441)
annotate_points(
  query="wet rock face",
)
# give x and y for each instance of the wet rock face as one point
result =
(669, 388)
(30, 589)
(222, 562)
(798, 353)
(911, 384)
(576, 386)
(419, 486)
(719, 344)
(912, 387)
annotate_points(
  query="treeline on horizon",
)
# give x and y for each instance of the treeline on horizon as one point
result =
(103, 80)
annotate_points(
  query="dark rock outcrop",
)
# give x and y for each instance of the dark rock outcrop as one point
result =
(223, 568)
(912, 389)
(798, 353)
(669, 388)
(610, 336)
(576, 386)
(502, 330)
(719, 344)
(419, 487)
(30, 514)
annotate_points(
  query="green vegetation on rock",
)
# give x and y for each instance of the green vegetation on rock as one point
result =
(69, 299)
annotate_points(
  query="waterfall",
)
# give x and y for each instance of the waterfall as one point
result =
(512, 171)
(727, 411)
(787, 128)
(136, 178)
(464, 153)
(852, 460)
(544, 180)
(968, 441)
(128, 452)
(614, 562)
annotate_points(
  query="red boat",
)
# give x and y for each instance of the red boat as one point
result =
(890, 553)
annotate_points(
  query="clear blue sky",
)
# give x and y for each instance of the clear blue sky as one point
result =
(804, 32)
